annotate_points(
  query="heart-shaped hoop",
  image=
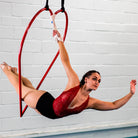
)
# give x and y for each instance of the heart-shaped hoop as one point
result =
(21, 47)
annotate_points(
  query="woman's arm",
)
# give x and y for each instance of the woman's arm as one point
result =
(102, 105)
(73, 78)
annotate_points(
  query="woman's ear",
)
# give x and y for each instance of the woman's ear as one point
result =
(85, 80)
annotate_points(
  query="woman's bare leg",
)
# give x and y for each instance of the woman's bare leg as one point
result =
(25, 81)
(29, 95)
(13, 78)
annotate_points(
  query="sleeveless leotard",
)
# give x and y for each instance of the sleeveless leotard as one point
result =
(61, 103)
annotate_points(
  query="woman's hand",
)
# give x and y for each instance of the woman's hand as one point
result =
(57, 36)
(132, 86)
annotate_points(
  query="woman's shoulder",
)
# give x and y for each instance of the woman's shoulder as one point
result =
(72, 88)
(71, 85)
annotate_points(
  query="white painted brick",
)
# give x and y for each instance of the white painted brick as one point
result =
(108, 70)
(115, 27)
(22, 1)
(108, 37)
(35, 34)
(113, 48)
(36, 58)
(10, 21)
(131, 28)
(49, 47)
(9, 111)
(10, 57)
(80, 4)
(33, 46)
(110, 94)
(9, 98)
(111, 116)
(29, 122)
(54, 83)
(5, 9)
(77, 25)
(123, 38)
(112, 37)
(57, 71)
(131, 103)
(41, 34)
(102, 35)
(115, 6)
(0, 125)
(5, 85)
(33, 71)
(7, 32)
(0, 98)
(130, 7)
(9, 45)
(123, 82)
(109, 17)
(101, 48)
(23, 10)
(107, 5)
(134, 1)
(86, 15)
(42, 21)
(106, 59)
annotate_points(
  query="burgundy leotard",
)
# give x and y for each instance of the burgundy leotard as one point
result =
(61, 103)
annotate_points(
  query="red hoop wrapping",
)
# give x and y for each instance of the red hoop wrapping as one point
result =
(20, 52)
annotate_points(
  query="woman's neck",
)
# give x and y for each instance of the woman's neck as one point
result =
(85, 91)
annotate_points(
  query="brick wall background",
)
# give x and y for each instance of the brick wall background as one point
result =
(102, 35)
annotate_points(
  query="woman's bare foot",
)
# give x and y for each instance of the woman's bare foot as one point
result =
(14, 69)
(4, 64)
(5, 67)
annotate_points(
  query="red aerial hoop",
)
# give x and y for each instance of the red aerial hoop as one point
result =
(21, 47)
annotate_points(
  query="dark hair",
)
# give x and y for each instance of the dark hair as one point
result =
(87, 74)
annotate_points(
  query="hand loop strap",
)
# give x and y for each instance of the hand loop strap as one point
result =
(53, 22)
(55, 33)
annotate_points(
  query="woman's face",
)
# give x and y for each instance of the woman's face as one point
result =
(92, 82)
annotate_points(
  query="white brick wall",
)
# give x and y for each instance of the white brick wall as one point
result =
(102, 35)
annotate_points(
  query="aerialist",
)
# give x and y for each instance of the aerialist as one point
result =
(75, 97)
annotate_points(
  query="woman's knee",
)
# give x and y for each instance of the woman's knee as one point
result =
(24, 90)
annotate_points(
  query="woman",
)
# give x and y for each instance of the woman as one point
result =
(75, 97)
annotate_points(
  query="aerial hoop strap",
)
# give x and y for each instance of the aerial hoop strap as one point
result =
(62, 5)
(47, 6)
(21, 48)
